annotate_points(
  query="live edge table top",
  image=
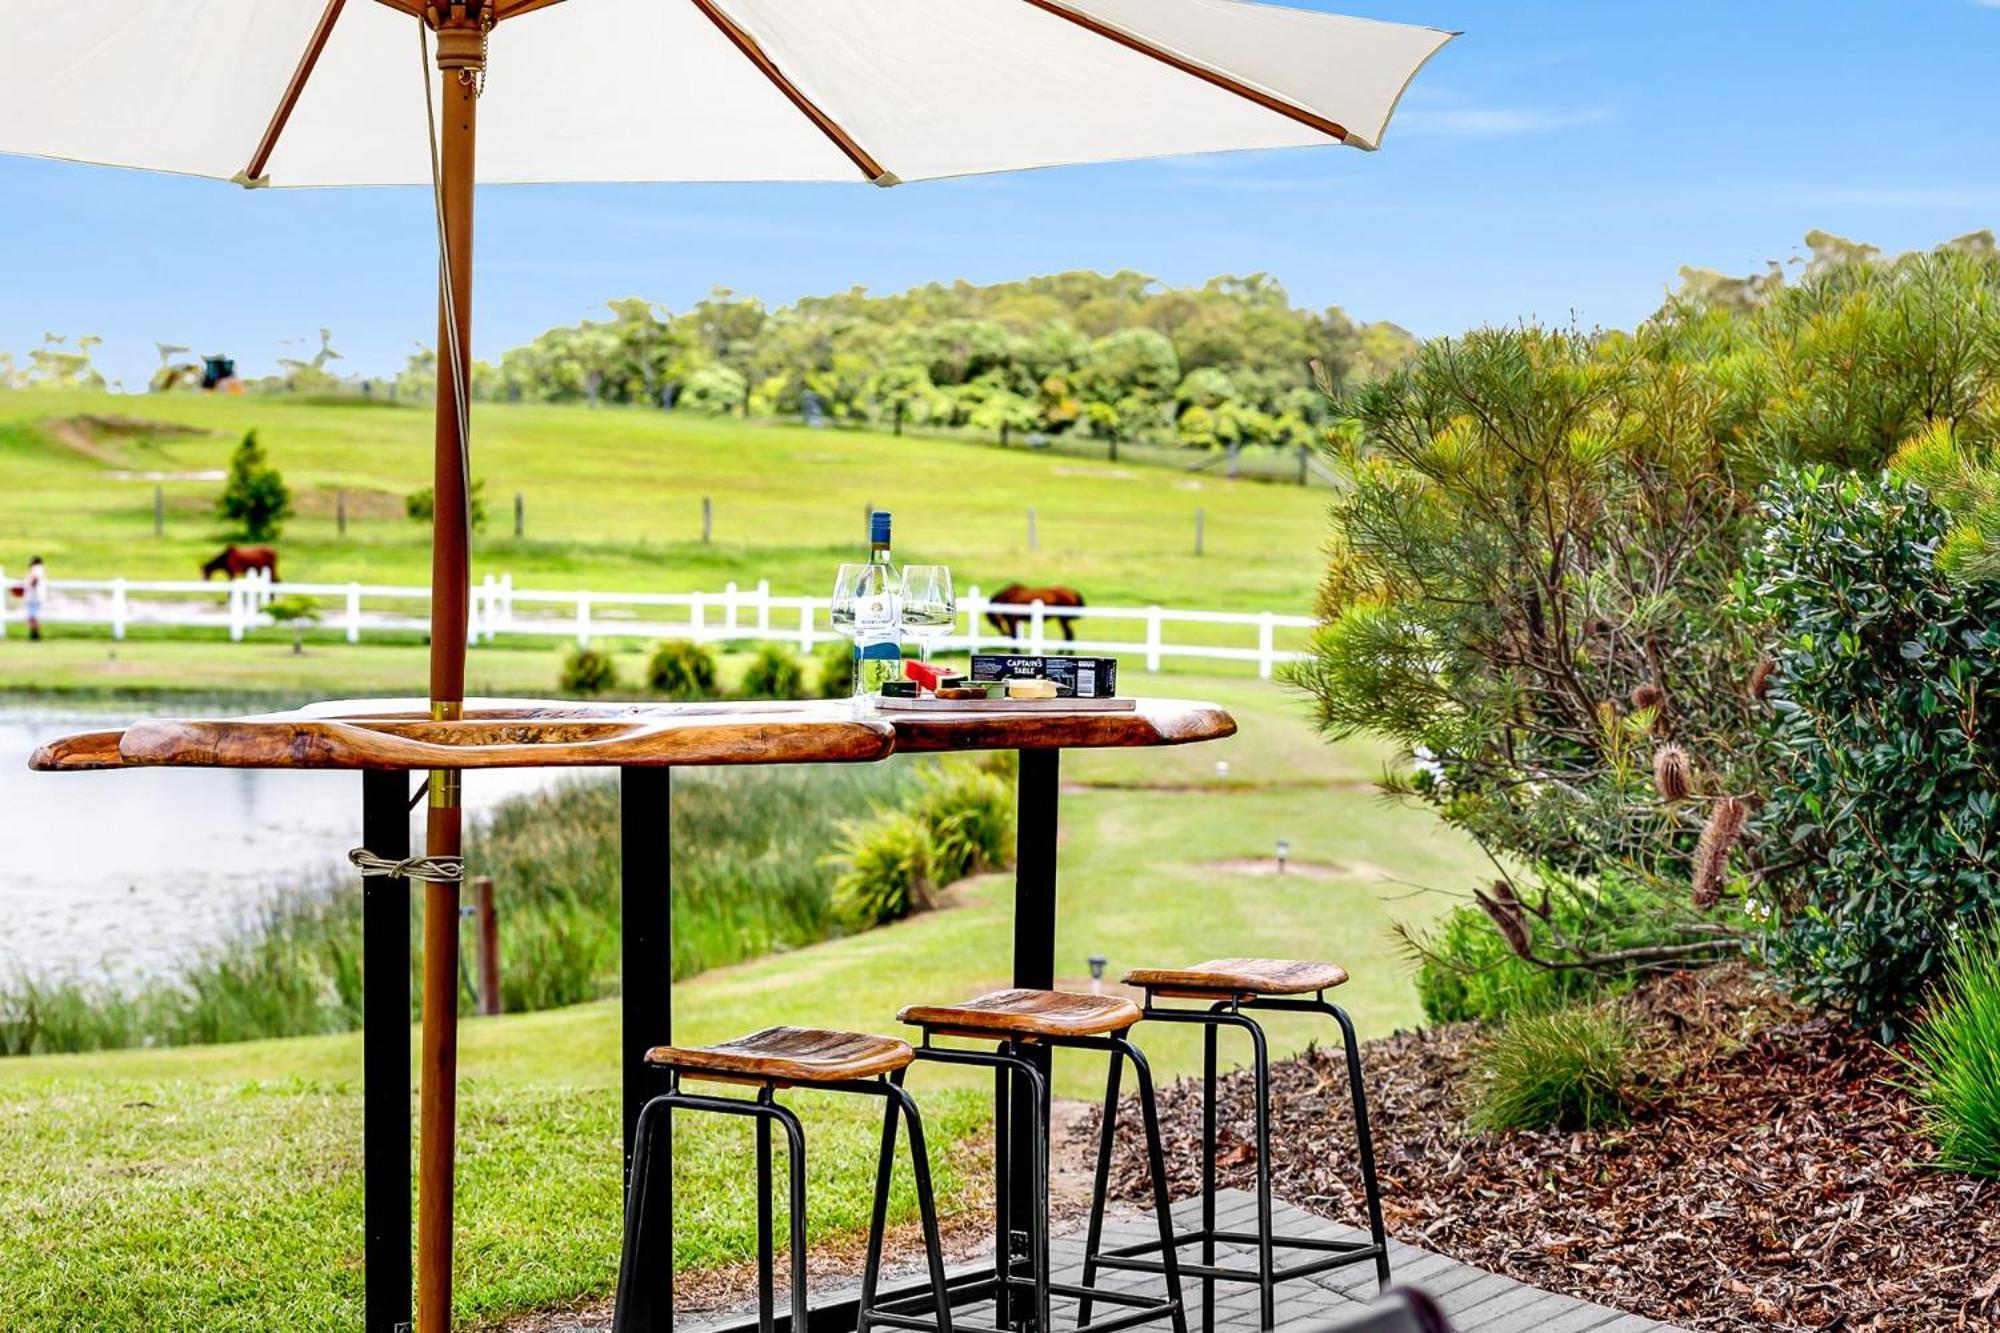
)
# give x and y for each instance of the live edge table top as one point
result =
(392, 734)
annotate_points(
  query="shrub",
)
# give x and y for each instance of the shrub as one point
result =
(1531, 560)
(774, 673)
(1956, 1056)
(969, 811)
(254, 497)
(1565, 1070)
(1882, 743)
(1467, 972)
(884, 868)
(587, 671)
(836, 670)
(680, 669)
(421, 504)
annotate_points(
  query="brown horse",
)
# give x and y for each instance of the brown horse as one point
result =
(236, 561)
(1008, 611)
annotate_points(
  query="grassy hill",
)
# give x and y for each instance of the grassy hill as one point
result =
(614, 495)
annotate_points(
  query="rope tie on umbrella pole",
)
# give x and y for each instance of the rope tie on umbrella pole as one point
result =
(430, 869)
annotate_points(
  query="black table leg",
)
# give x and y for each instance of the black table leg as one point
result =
(646, 962)
(385, 1058)
(1034, 960)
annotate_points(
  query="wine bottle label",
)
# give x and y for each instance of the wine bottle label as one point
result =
(877, 616)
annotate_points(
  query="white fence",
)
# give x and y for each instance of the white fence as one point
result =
(732, 615)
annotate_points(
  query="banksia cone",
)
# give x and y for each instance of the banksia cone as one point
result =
(1711, 854)
(1760, 678)
(1673, 774)
(1649, 695)
(1505, 910)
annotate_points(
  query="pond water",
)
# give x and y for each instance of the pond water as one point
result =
(120, 875)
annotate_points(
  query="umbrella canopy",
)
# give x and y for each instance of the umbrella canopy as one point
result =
(338, 92)
(695, 90)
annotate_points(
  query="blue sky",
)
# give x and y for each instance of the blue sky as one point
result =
(1559, 161)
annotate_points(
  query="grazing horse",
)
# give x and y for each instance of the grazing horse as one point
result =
(1008, 611)
(236, 561)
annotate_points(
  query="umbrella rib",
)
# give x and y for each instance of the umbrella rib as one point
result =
(310, 57)
(826, 124)
(1310, 119)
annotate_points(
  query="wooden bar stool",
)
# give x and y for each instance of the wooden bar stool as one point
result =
(1021, 1022)
(1229, 986)
(768, 1061)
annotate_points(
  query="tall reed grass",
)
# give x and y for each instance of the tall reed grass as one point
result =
(747, 881)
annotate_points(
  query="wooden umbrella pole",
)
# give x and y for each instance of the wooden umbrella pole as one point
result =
(461, 60)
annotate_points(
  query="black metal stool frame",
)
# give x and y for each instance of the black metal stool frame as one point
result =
(1009, 1062)
(1335, 1253)
(644, 1307)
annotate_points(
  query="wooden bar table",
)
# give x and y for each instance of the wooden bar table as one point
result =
(387, 740)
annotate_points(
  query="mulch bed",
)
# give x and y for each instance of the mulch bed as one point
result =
(1772, 1174)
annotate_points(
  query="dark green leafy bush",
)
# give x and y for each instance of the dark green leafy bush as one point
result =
(884, 868)
(1466, 970)
(969, 810)
(836, 670)
(773, 673)
(1565, 1070)
(1883, 746)
(1956, 1056)
(587, 671)
(680, 669)
(1531, 564)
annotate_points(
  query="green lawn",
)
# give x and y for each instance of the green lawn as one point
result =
(218, 1188)
(614, 501)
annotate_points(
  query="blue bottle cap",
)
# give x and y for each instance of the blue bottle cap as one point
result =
(878, 528)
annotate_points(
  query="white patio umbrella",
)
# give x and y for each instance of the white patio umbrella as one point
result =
(327, 92)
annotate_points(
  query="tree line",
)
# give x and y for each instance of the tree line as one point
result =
(1118, 356)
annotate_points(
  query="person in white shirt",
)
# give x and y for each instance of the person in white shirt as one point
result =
(33, 592)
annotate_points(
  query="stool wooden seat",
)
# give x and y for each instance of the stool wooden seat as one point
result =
(1026, 1014)
(1239, 976)
(787, 1056)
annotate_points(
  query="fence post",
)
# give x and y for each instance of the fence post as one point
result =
(489, 944)
(354, 613)
(475, 614)
(1033, 542)
(805, 625)
(1152, 638)
(118, 608)
(159, 511)
(707, 519)
(236, 587)
(520, 514)
(1036, 643)
(507, 593)
(729, 607)
(697, 615)
(1264, 628)
(975, 611)
(583, 620)
(1198, 524)
(763, 607)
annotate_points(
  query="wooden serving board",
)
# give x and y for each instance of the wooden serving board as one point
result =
(893, 705)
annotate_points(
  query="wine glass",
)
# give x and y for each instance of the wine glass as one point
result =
(864, 605)
(929, 609)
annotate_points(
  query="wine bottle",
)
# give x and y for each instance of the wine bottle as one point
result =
(878, 618)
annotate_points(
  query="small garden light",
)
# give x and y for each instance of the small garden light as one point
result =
(1222, 768)
(1284, 853)
(1097, 961)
